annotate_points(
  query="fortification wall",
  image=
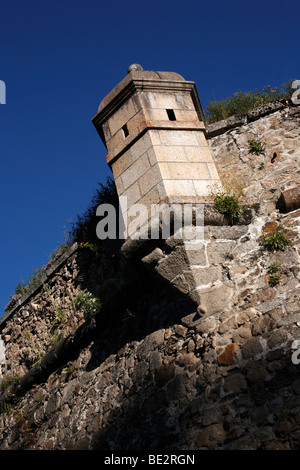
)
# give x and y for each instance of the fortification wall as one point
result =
(194, 348)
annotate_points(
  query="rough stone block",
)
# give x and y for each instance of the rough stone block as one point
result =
(218, 252)
(121, 164)
(173, 265)
(152, 341)
(252, 348)
(179, 187)
(181, 101)
(172, 153)
(133, 194)
(202, 187)
(211, 435)
(139, 148)
(136, 170)
(2, 351)
(198, 277)
(237, 270)
(228, 232)
(215, 299)
(197, 256)
(186, 115)
(178, 137)
(150, 179)
(263, 110)
(188, 171)
(125, 113)
(289, 200)
(213, 173)
(235, 383)
(220, 127)
(151, 197)
(198, 153)
(152, 259)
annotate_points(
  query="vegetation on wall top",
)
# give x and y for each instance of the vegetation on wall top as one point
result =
(82, 231)
(242, 102)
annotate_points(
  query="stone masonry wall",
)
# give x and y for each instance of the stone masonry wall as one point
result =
(194, 348)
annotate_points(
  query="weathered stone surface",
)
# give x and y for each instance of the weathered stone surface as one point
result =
(228, 356)
(176, 388)
(210, 436)
(151, 342)
(174, 264)
(2, 350)
(260, 111)
(235, 383)
(219, 252)
(220, 127)
(215, 299)
(252, 348)
(289, 200)
(152, 259)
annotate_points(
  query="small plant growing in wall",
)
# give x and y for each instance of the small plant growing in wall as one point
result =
(256, 147)
(274, 280)
(228, 199)
(70, 370)
(274, 276)
(9, 381)
(241, 102)
(34, 348)
(87, 304)
(59, 316)
(55, 338)
(91, 246)
(276, 239)
(7, 385)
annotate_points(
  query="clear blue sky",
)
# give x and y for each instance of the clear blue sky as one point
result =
(60, 58)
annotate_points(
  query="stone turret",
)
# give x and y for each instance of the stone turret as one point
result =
(151, 124)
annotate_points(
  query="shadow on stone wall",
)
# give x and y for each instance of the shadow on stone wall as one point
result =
(173, 391)
(159, 383)
(176, 400)
(151, 377)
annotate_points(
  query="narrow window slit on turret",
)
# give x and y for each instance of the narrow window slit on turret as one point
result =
(125, 130)
(171, 114)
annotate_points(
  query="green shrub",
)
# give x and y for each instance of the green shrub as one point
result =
(228, 199)
(256, 147)
(87, 304)
(20, 288)
(228, 205)
(274, 279)
(242, 102)
(276, 239)
(9, 381)
(7, 385)
(273, 268)
(81, 231)
(84, 229)
(59, 317)
(6, 407)
(55, 338)
(91, 246)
